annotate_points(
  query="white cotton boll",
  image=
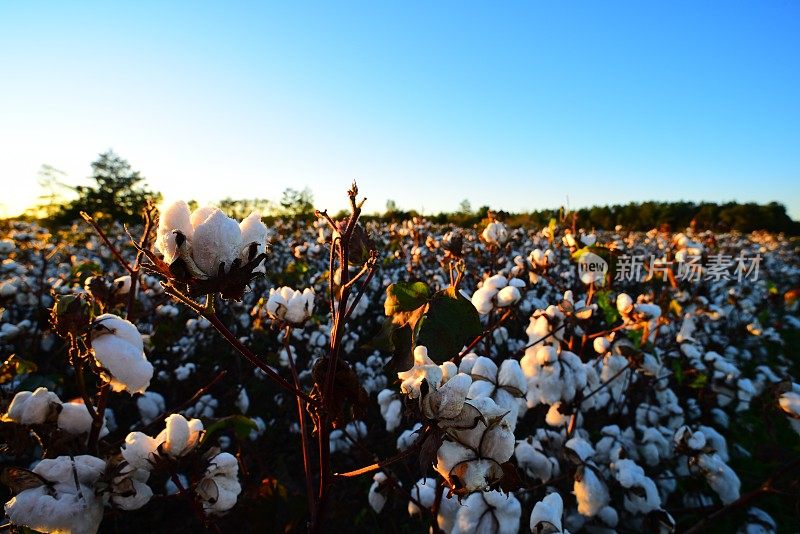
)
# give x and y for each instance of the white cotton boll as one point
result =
(76, 419)
(488, 513)
(482, 299)
(642, 496)
(217, 240)
(182, 372)
(716, 441)
(180, 436)
(555, 418)
(424, 492)
(253, 231)
(123, 284)
(624, 304)
(485, 369)
(588, 239)
(508, 296)
(24, 410)
(547, 513)
(467, 363)
(408, 437)
(590, 491)
(200, 215)
(62, 509)
(118, 346)
(219, 488)
(243, 401)
(424, 369)
(377, 492)
(447, 401)
(720, 477)
(531, 459)
(150, 405)
(171, 218)
(391, 409)
(601, 345)
(581, 447)
(449, 370)
(510, 376)
(495, 233)
(142, 493)
(139, 449)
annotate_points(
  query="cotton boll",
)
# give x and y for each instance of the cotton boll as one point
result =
(70, 508)
(642, 495)
(377, 491)
(482, 299)
(488, 513)
(76, 419)
(391, 408)
(139, 449)
(555, 418)
(590, 491)
(32, 408)
(150, 405)
(408, 437)
(547, 514)
(243, 401)
(624, 304)
(447, 401)
(720, 477)
(531, 459)
(601, 345)
(508, 296)
(174, 217)
(219, 488)
(253, 231)
(424, 369)
(180, 436)
(217, 240)
(118, 346)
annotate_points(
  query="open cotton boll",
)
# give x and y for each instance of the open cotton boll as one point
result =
(220, 488)
(180, 436)
(624, 304)
(491, 512)
(546, 514)
(377, 491)
(408, 437)
(118, 346)
(424, 369)
(76, 419)
(32, 408)
(642, 496)
(447, 401)
(482, 299)
(150, 405)
(130, 490)
(253, 231)
(495, 233)
(67, 507)
(217, 240)
(173, 217)
(590, 491)
(531, 459)
(391, 408)
(720, 477)
(139, 449)
(508, 296)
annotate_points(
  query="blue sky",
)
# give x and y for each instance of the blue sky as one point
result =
(516, 105)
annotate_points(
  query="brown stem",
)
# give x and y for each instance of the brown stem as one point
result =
(114, 250)
(301, 414)
(99, 416)
(482, 335)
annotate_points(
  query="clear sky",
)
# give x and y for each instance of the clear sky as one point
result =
(516, 105)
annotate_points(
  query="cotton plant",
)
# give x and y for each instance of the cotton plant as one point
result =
(64, 500)
(42, 406)
(118, 347)
(497, 292)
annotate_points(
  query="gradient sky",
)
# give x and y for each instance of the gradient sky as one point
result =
(513, 105)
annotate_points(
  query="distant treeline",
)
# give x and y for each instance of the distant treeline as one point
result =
(640, 216)
(119, 193)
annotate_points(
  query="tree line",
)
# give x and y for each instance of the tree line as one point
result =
(118, 192)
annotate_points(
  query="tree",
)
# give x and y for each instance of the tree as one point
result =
(296, 203)
(465, 207)
(118, 193)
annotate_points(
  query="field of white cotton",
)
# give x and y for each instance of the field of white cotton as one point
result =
(357, 375)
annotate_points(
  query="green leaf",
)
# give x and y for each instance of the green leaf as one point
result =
(699, 382)
(241, 425)
(405, 297)
(450, 322)
(609, 310)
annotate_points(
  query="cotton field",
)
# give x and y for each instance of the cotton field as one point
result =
(202, 373)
